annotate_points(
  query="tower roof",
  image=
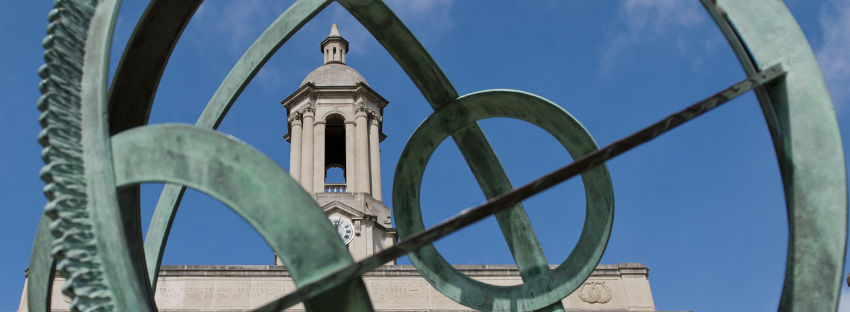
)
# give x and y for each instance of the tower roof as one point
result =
(334, 75)
(334, 72)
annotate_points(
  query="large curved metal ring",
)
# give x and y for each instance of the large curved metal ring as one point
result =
(549, 287)
(253, 186)
(798, 111)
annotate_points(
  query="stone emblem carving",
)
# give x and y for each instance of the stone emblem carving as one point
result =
(594, 292)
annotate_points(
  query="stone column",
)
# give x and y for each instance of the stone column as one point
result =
(350, 162)
(375, 156)
(319, 156)
(295, 147)
(307, 153)
(362, 145)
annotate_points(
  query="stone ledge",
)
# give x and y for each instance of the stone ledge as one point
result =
(386, 270)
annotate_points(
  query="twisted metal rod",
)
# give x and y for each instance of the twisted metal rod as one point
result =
(508, 199)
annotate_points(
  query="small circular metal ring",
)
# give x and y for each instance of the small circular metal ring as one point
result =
(532, 294)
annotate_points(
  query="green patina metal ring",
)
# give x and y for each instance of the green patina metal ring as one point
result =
(547, 288)
(108, 274)
(249, 183)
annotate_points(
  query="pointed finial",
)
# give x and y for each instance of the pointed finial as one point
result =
(334, 46)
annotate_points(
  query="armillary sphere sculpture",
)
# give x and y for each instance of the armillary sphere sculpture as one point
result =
(90, 232)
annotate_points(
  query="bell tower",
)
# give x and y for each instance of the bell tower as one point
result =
(334, 121)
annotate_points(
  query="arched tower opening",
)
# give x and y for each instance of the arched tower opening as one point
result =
(335, 162)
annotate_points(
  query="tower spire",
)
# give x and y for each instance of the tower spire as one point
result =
(334, 47)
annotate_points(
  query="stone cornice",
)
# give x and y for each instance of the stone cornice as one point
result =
(360, 89)
(304, 90)
(385, 270)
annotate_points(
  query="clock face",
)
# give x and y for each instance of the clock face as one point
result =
(344, 228)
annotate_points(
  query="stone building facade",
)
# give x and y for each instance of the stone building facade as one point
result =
(334, 121)
(611, 288)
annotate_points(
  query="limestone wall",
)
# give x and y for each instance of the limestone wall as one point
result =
(622, 287)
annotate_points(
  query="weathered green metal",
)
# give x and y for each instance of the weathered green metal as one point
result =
(134, 86)
(118, 258)
(237, 79)
(548, 287)
(507, 200)
(567, 276)
(141, 66)
(802, 123)
(76, 57)
(62, 155)
(256, 188)
(471, 141)
(98, 245)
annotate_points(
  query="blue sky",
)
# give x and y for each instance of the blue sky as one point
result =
(702, 206)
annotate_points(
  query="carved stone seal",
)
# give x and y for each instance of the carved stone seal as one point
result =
(594, 292)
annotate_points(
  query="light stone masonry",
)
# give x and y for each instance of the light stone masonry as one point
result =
(621, 287)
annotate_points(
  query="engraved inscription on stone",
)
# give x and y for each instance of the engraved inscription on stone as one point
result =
(232, 294)
(265, 291)
(183, 294)
(221, 293)
(398, 293)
